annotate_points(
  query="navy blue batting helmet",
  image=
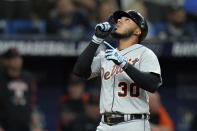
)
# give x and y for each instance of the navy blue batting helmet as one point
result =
(136, 17)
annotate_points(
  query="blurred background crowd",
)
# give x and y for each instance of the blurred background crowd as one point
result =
(39, 44)
(171, 20)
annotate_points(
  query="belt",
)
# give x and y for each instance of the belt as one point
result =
(112, 119)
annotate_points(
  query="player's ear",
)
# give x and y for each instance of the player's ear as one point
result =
(137, 32)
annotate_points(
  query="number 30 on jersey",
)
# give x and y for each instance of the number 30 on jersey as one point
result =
(131, 88)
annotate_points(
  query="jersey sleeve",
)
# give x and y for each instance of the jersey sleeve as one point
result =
(96, 66)
(149, 62)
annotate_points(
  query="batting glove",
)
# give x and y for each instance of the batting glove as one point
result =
(102, 30)
(112, 54)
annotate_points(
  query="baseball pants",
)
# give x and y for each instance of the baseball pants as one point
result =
(133, 125)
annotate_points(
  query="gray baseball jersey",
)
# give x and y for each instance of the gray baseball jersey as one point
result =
(119, 93)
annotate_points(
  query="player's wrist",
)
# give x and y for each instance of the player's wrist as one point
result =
(123, 63)
(97, 40)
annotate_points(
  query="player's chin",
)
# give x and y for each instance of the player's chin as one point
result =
(115, 34)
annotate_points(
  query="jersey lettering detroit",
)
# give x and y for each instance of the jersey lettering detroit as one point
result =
(119, 93)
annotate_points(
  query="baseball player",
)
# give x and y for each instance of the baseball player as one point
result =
(127, 72)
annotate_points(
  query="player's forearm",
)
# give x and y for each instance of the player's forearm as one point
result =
(82, 67)
(147, 81)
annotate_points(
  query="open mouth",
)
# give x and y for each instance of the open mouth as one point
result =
(117, 26)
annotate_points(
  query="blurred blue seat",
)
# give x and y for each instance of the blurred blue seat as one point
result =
(2, 26)
(24, 27)
(190, 6)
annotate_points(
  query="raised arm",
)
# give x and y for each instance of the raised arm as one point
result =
(82, 67)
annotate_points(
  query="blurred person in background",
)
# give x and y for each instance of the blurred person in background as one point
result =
(140, 7)
(159, 118)
(42, 8)
(17, 17)
(67, 22)
(15, 9)
(177, 28)
(71, 105)
(86, 7)
(193, 126)
(104, 10)
(91, 118)
(102, 14)
(17, 95)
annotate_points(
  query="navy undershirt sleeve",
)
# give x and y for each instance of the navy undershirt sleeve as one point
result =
(146, 80)
(82, 67)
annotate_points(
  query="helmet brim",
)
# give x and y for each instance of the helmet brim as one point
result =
(118, 14)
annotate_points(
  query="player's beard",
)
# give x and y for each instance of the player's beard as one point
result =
(119, 36)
